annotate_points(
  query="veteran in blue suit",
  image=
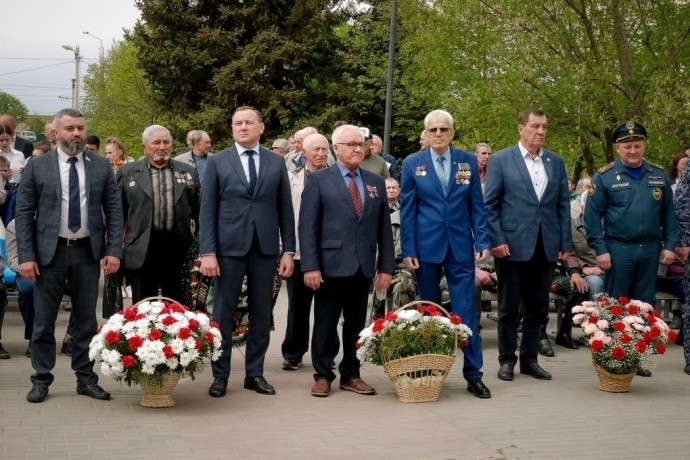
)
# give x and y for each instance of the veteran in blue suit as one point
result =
(528, 212)
(443, 228)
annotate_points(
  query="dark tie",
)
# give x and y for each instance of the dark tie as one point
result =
(354, 194)
(74, 215)
(252, 169)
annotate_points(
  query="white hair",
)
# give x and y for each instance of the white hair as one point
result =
(338, 132)
(149, 131)
(438, 114)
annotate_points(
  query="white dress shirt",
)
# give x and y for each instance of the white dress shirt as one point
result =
(244, 158)
(65, 232)
(537, 172)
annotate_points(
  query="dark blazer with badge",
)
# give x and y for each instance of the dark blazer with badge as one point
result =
(134, 180)
(332, 238)
(24, 145)
(38, 209)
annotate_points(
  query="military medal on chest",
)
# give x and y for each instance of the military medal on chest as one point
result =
(462, 176)
(420, 171)
(372, 192)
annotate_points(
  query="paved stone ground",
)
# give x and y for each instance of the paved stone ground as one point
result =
(567, 417)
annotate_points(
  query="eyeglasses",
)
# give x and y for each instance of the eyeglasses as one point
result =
(435, 130)
(352, 145)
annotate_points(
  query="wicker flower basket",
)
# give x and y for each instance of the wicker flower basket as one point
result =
(612, 383)
(420, 378)
(160, 396)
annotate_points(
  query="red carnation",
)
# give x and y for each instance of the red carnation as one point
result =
(624, 300)
(135, 342)
(139, 316)
(672, 336)
(455, 319)
(648, 337)
(604, 301)
(128, 361)
(215, 325)
(552, 288)
(358, 344)
(625, 338)
(597, 345)
(168, 352)
(660, 348)
(166, 310)
(198, 344)
(641, 346)
(391, 316)
(593, 320)
(184, 333)
(378, 325)
(619, 326)
(112, 337)
(618, 353)
(99, 329)
(168, 320)
(209, 337)
(632, 309)
(130, 314)
(155, 334)
(651, 319)
(616, 311)
(194, 324)
(465, 343)
(656, 332)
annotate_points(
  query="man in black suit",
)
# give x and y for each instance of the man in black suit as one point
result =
(18, 143)
(246, 210)
(160, 202)
(69, 226)
(344, 220)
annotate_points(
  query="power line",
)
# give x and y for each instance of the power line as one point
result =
(30, 59)
(36, 68)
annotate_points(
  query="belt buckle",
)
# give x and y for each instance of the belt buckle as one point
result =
(73, 242)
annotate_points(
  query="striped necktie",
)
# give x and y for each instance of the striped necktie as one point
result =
(441, 173)
(354, 194)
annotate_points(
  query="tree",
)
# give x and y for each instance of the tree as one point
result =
(13, 106)
(205, 58)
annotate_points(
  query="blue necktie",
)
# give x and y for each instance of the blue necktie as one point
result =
(252, 169)
(74, 215)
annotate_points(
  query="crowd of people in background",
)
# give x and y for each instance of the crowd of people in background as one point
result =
(337, 220)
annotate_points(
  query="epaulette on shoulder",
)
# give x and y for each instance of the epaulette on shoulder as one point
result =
(605, 168)
(655, 165)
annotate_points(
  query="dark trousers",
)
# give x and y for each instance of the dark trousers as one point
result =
(75, 264)
(3, 306)
(460, 277)
(296, 342)
(348, 295)
(526, 282)
(259, 269)
(633, 270)
(162, 269)
(25, 294)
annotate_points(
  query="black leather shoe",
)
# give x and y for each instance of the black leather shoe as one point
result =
(534, 369)
(93, 391)
(643, 372)
(3, 353)
(218, 388)
(506, 372)
(545, 348)
(477, 388)
(687, 369)
(37, 393)
(259, 384)
(565, 341)
(292, 364)
(67, 345)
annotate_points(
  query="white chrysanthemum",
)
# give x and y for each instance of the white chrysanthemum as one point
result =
(577, 319)
(366, 333)
(464, 329)
(105, 369)
(172, 363)
(408, 315)
(111, 356)
(177, 345)
(216, 354)
(95, 349)
(148, 368)
(144, 308)
(186, 358)
(117, 369)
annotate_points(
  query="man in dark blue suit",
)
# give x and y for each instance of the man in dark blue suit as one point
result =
(528, 212)
(443, 225)
(68, 226)
(246, 209)
(344, 220)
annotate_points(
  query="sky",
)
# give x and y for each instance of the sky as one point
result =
(33, 65)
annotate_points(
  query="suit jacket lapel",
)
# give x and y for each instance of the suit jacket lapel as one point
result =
(87, 175)
(339, 183)
(55, 165)
(178, 187)
(234, 159)
(524, 173)
(263, 167)
(143, 177)
(548, 167)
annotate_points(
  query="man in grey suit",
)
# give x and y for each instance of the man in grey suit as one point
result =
(200, 142)
(69, 225)
(160, 202)
(528, 213)
(344, 220)
(245, 210)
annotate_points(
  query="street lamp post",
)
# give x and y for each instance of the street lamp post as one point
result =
(77, 82)
(100, 48)
(389, 88)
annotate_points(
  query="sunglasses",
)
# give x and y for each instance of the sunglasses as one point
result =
(439, 130)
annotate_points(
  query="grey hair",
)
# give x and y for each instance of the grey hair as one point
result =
(304, 132)
(148, 132)
(338, 132)
(311, 139)
(67, 113)
(438, 114)
(377, 137)
(479, 145)
(196, 136)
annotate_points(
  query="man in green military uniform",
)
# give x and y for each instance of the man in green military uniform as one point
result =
(629, 215)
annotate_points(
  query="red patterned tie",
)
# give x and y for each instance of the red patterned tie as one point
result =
(354, 193)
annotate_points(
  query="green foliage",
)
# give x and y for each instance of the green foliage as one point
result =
(425, 338)
(13, 106)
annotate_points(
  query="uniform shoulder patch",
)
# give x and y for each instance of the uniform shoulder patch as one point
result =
(605, 168)
(592, 190)
(655, 165)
